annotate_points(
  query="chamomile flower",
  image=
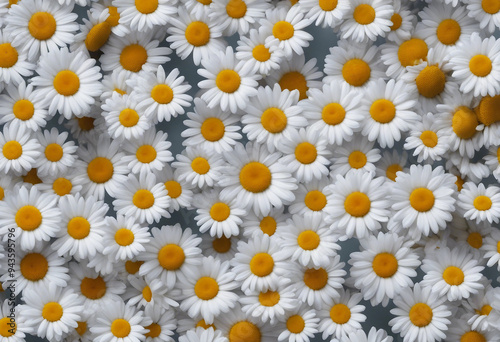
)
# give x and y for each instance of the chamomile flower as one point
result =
(420, 314)
(148, 294)
(487, 13)
(397, 56)
(383, 267)
(212, 129)
(272, 115)
(149, 153)
(13, 66)
(403, 22)
(298, 325)
(422, 199)
(223, 248)
(68, 82)
(355, 65)
(226, 84)
(454, 273)
(469, 233)
(12, 329)
(480, 203)
(479, 307)
(192, 32)
(470, 170)
(198, 7)
(427, 139)
(40, 26)
(343, 316)
(237, 15)
(333, 112)
(460, 329)
(198, 166)
(271, 224)
(94, 33)
(19, 151)
(209, 292)
(83, 220)
(87, 128)
(162, 96)
(52, 311)
(391, 163)
(144, 15)
(34, 216)
(163, 326)
(325, 13)
(357, 154)
(486, 114)
(216, 216)
(178, 191)
(171, 253)
(475, 64)
(124, 238)
(287, 25)
(115, 83)
(367, 20)
(58, 154)
(256, 180)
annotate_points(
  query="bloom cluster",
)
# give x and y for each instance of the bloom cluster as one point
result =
(394, 144)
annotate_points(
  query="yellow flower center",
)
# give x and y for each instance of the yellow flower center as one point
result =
(128, 117)
(78, 228)
(52, 311)
(171, 257)
(487, 112)
(2, 195)
(42, 25)
(383, 111)
(236, 9)
(261, 53)
(146, 6)
(120, 328)
(124, 237)
(340, 313)
(429, 138)
(412, 52)
(269, 298)
(244, 331)
(295, 324)
(81, 328)
(422, 199)
(93, 288)
(204, 325)
(397, 20)
(205, 2)
(357, 159)
(12, 150)
(333, 114)
(34, 266)
(66, 83)
(12, 2)
(32, 177)
(262, 264)
(98, 36)
(132, 267)
(294, 80)
(206, 288)
(8, 55)
(143, 199)
(385, 265)
(357, 204)
(133, 57)
(200, 165)
(364, 14)
(54, 152)
(221, 245)
(453, 275)
(472, 336)
(464, 122)
(162, 93)
(273, 120)
(485, 310)
(86, 123)
(213, 129)
(315, 200)
(228, 81)
(114, 16)
(255, 177)
(356, 72)
(306, 153)
(482, 203)
(220, 211)
(308, 240)
(283, 30)
(28, 218)
(315, 279)
(480, 65)
(475, 240)
(197, 33)
(490, 6)
(421, 315)
(328, 5)
(23, 109)
(147, 294)
(392, 170)
(448, 32)
(100, 170)
(431, 81)
(7, 328)
(174, 189)
(154, 330)
(145, 154)
(268, 225)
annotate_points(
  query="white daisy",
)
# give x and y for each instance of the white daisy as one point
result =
(428, 139)
(391, 163)
(113, 17)
(397, 56)
(87, 128)
(491, 248)
(312, 198)
(198, 7)
(223, 248)
(58, 154)
(357, 154)
(19, 150)
(270, 224)
(403, 22)
(237, 15)
(198, 166)
(479, 308)
(486, 12)
(115, 83)
(124, 238)
(480, 203)
(163, 326)
(144, 15)
(367, 19)
(180, 195)
(486, 114)
(325, 13)
(14, 65)
(12, 329)
(461, 330)
(299, 324)
(469, 169)
(149, 294)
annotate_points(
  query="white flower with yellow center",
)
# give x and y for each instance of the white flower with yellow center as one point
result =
(178, 191)
(216, 216)
(113, 18)
(163, 326)
(480, 203)
(325, 12)
(144, 15)
(475, 64)
(13, 66)
(199, 167)
(12, 329)
(52, 311)
(208, 293)
(479, 307)
(39, 26)
(355, 65)
(428, 139)
(487, 116)
(259, 263)
(491, 247)
(258, 54)
(403, 22)
(422, 199)
(87, 128)
(149, 153)
(308, 241)
(118, 322)
(367, 20)
(453, 273)
(486, 12)
(420, 315)
(300, 324)
(271, 116)
(391, 163)
(58, 154)
(142, 198)
(202, 335)
(94, 33)
(255, 179)
(343, 316)
(226, 84)
(34, 216)
(68, 82)
(172, 253)
(134, 52)
(192, 32)
(19, 150)
(270, 224)
(461, 330)
(115, 83)
(82, 221)
(311, 198)
(399, 55)
(383, 267)
(357, 154)
(124, 238)
(237, 15)
(213, 129)
(198, 7)
(469, 169)
(223, 248)
(142, 294)
(186, 323)
(470, 234)
(162, 96)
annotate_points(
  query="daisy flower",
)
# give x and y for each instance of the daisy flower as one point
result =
(422, 199)
(333, 112)
(287, 25)
(52, 311)
(237, 15)
(403, 23)
(308, 241)
(87, 128)
(12, 331)
(144, 15)
(39, 26)
(325, 13)
(355, 65)
(479, 307)
(226, 84)
(18, 104)
(212, 129)
(487, 13)
(83, 219)
(198, 166)
(100, 169)
(397, 56)
(58, 154)
(67, 82)
(133, 52)
(257, 54)
(491, 245)
(202, 335)
(270, 224)
(420, 315)
(115, 83)
(124, 238)
(311, 198)
(163, 326)
(259, 263)
(192, 32)
(34, 216)
(367, 19)
(300, 324)
(383, 267)
(217, 216)
(149, 153)
(475, 65)
(19, 150)
(272, 115)
(143, 199)
(223, 248)
(486, 114)
(148, 294)
(172, 253)
(209, 292)
(113, 17)
(428, 139)
(454, 273)
(14, 65)
(357, 154)
(160, 94)
(180, 195)
(116, 321)
(460, 330)
(94, 33)
(254, 179)
(391, 163)
(469, 233)
(470, 170)
(388, 110)
(480, 203)
(343, 316)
